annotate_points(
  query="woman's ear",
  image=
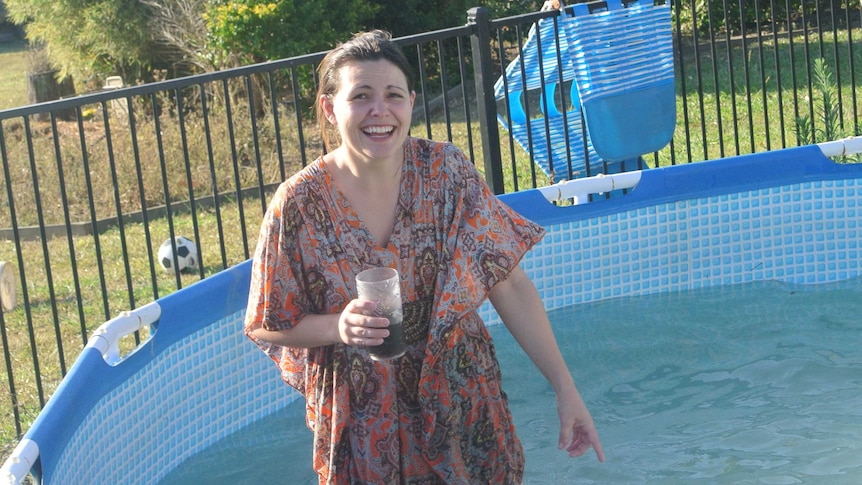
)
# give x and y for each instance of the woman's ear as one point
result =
(412, 97)
(326, 105)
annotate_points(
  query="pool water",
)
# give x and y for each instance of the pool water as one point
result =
(275, 450)
(755, 383)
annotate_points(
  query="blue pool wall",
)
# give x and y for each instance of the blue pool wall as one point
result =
(789, 215)
(197, 380)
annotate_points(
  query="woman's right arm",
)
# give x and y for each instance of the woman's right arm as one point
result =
(353, 326)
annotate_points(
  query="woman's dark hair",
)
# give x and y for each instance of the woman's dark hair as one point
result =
(367, 46)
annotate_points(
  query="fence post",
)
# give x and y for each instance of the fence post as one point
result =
(480, 42)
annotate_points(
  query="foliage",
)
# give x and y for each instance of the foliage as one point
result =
(828, 115)
(406, 17)
(91, 39)
(263, 30)
(4, 22)
(179, 32)
(86, 36)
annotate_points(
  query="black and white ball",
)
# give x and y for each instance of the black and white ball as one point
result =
(187, 254)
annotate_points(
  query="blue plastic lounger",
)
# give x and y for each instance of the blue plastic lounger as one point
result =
(622, 53)
(554, 137)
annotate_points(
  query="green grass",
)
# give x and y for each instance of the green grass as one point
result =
(718, 124)
(13, 75)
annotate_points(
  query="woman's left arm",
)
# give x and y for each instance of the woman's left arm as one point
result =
(518, 303)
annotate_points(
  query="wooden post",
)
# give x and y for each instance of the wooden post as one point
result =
(43, 86)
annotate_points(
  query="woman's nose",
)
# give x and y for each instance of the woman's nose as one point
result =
(378, 106)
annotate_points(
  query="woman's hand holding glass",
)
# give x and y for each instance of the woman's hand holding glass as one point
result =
(358, 326)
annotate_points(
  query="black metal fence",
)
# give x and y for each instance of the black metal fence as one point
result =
(93, 185)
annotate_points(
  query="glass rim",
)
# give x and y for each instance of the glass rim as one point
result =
(372, 275)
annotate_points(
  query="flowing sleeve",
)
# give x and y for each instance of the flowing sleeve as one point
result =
(276, 300)
(486, 239)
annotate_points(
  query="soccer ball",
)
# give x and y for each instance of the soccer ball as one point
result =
(187, 254)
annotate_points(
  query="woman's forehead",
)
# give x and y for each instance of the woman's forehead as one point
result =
(374, 73)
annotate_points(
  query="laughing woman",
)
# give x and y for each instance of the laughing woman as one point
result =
(381, 198)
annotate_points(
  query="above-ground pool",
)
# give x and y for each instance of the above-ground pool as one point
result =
(708, 316)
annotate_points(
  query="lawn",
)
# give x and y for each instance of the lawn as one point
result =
(13, 76)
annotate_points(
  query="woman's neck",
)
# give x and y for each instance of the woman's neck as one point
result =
(364, 173)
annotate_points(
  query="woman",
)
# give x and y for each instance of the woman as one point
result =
(381, 198)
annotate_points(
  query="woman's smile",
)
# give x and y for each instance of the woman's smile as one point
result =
(378, 131)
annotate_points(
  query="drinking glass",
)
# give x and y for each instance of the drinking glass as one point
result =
(383, 287)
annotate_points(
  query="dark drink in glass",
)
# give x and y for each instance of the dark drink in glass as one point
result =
(383, 287)
(393, 345)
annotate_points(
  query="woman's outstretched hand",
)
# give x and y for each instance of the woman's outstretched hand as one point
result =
(577, 431)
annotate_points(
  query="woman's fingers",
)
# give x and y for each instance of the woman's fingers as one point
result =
(369, 336)
(583, 438)
(358, 326)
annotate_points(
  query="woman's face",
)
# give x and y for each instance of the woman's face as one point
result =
(371, 109)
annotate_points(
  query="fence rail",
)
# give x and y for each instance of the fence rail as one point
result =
(94, 184)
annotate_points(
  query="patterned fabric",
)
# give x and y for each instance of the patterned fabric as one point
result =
(437, 414)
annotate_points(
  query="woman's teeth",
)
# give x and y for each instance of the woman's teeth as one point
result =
(378, 130)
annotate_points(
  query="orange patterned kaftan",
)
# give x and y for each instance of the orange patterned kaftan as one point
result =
(437, 414)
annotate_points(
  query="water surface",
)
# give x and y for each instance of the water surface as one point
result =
(758, 383)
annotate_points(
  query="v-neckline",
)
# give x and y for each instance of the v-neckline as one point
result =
(348, 210)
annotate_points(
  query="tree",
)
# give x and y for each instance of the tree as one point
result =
(86, 36)
(263, 30)
(91, 39)
(178, 28)
(405, 17)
